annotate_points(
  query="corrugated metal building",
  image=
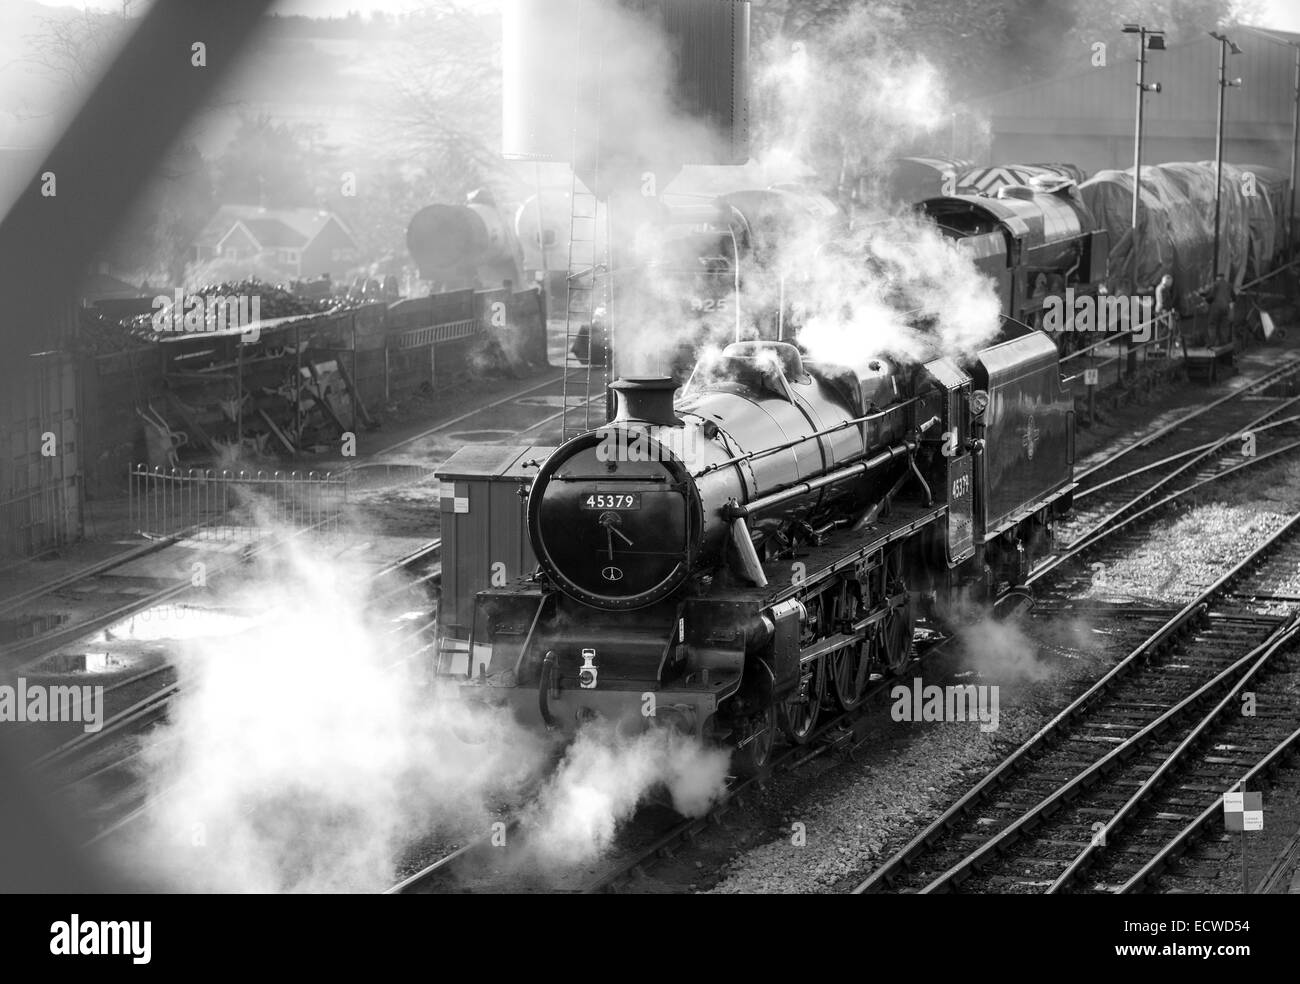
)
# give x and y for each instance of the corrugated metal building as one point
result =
(1087, 117)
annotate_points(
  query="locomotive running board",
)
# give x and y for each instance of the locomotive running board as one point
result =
(837, 555)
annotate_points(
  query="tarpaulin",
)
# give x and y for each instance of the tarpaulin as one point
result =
(1177, 224)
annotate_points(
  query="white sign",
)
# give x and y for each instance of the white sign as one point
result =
(1243, 811)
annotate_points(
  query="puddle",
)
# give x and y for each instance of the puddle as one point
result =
(92, 662)
(481, 437)
(174, 622)
(540, 401)
(378, 475)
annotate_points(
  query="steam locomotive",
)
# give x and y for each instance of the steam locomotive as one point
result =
(733, 561)
(1033, 241)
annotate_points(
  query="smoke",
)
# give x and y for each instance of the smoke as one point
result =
(1001, 650)
(302, 755)
(847, 98)
(853, 282)
(606, 775)
(845, 101)
(897, 289)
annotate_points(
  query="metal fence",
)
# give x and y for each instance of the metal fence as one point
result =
(1120, 356)
(234, 505)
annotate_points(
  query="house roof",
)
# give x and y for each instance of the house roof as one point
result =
(274, 232)
(271, 227)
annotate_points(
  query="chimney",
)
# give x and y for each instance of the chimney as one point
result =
(646, 400)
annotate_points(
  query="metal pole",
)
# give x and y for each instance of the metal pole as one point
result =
(541, 226)
(1295, 140)
(1137, 151)
(1245, 884)
(1218, 151)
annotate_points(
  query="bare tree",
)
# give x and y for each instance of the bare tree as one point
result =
(442, 110)
(71, 49)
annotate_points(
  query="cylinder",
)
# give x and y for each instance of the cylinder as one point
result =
(464, 245)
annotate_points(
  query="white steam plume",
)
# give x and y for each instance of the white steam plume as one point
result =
(841, 103)
(1001, 651)
(298, 757)
(606, 775)
(846, 99)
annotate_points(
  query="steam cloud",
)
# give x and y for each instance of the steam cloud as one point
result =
(847, 99)
(1000, 650)
(605, 776)
(298, 757)
(879, 283)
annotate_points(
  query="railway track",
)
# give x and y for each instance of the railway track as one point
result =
(116, 598)
(480, 864)
(1196, 445)
(1041, 818)
(39, 628)
(507, 415)
(1225, 751)
(104, 770)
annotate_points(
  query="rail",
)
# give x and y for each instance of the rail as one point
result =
(1268, 276)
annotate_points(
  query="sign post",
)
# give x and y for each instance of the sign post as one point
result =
(1243, 811)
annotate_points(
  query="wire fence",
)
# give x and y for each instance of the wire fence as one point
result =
(234, 505)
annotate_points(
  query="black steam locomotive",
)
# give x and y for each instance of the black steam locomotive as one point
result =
(1033, 241)
(730, 562)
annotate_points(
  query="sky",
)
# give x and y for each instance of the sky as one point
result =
(314, 8)
(1282, 15)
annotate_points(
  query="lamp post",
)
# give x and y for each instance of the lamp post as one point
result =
(1295, 135)
(1148, 38)
(1225, 46)
(1295, 146)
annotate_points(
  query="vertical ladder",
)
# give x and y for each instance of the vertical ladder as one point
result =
(583, 283)
(584, 280)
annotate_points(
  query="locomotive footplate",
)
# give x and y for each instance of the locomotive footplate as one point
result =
(843, 550)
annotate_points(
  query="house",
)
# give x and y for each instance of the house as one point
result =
(306, 242)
